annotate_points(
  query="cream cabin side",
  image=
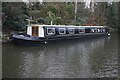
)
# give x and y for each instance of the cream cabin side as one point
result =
(41, 32)
(29, 30)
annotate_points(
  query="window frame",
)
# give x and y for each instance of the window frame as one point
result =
(98, 30)
(103, 30)
(72, 29)
(64, 30)
(93, 30)
(51, 33)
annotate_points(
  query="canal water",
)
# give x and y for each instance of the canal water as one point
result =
(86, 58)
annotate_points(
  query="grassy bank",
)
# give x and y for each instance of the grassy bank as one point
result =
(4, 38)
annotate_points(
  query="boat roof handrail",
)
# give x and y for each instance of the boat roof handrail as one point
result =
(63, 25)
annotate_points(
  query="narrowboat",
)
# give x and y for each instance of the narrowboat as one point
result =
(46, 33)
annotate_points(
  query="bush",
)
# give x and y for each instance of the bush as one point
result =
(41, 21)
(58, 20)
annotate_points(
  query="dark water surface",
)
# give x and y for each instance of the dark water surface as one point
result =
(87, 58)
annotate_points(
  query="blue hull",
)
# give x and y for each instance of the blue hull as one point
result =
(38, 40)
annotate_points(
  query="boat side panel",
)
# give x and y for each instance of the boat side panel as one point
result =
(87, 30)
(57, 31)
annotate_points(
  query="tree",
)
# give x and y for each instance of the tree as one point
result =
(14, 16)
(112, 15)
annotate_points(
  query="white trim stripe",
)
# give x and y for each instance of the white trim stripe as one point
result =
(57, 0)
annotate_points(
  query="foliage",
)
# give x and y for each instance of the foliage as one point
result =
(15, 14)
(113, 15)
(58, 20)
(41, 21)
(80, 21)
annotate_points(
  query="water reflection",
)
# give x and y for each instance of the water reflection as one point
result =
(72, 59)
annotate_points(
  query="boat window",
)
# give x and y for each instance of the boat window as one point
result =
(87, 30)
(33, 30)
(71, 30)
(81, 30)
(36, 31)
(62, 31)
(50, 31)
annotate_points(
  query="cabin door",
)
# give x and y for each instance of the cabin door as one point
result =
(35, 30)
